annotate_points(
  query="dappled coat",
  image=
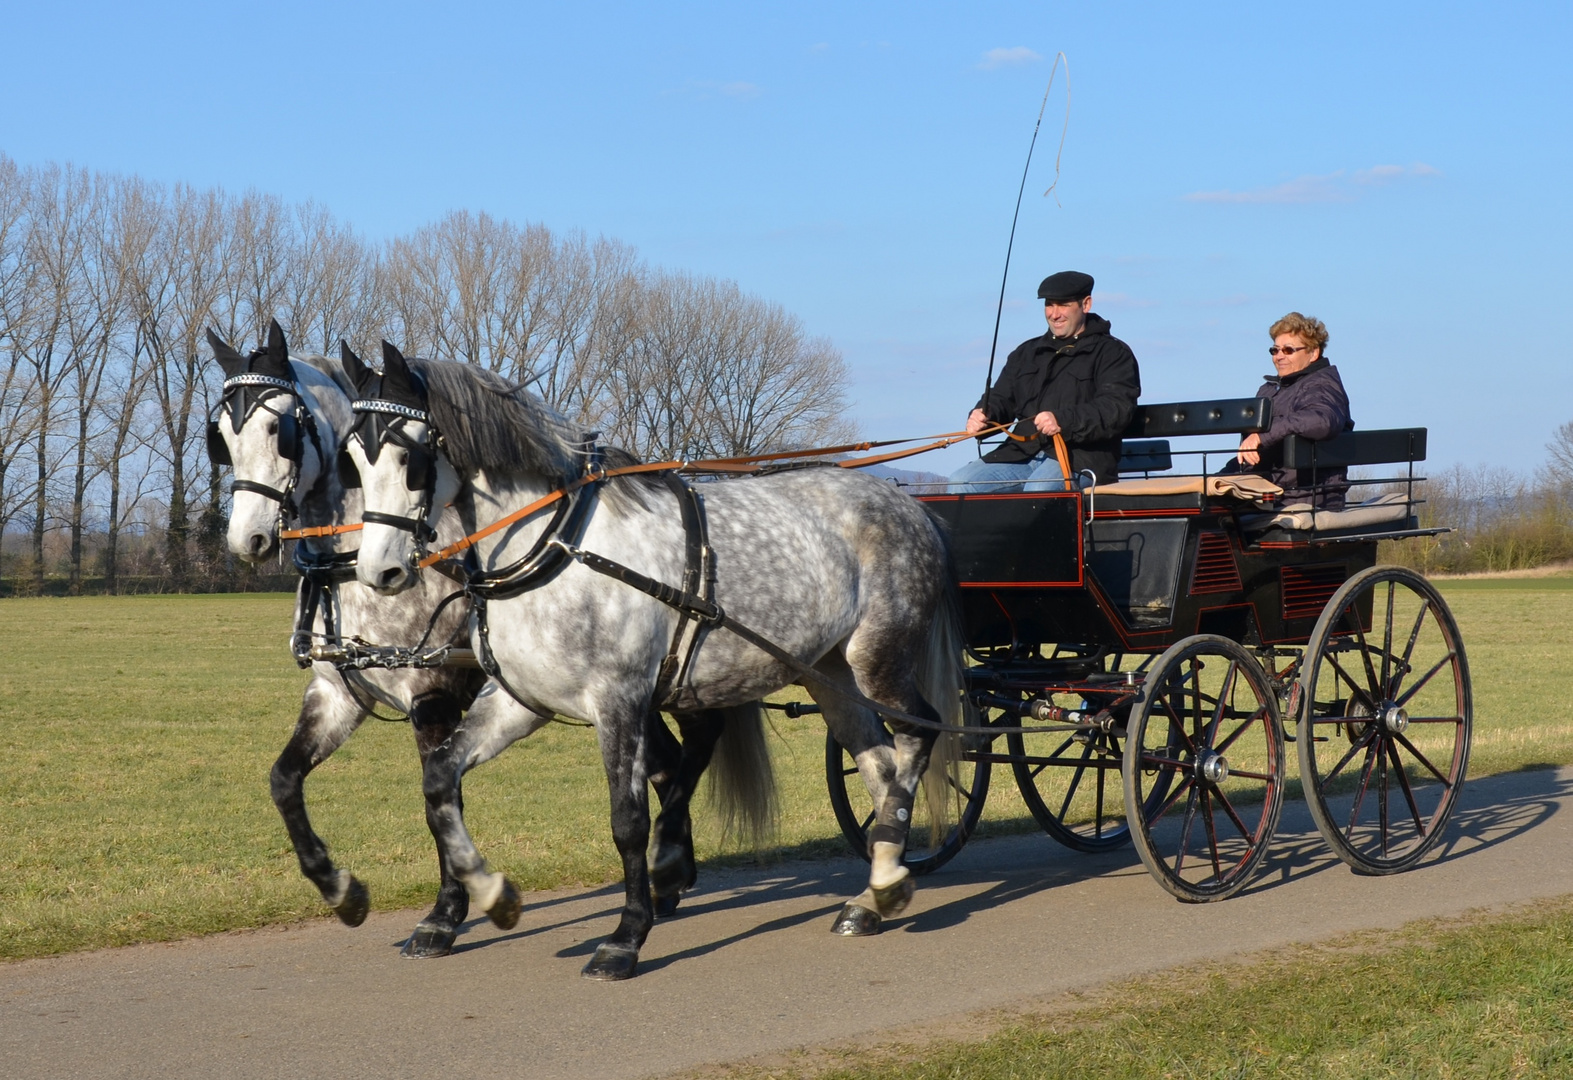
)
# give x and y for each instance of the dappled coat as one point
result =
(1090, 383)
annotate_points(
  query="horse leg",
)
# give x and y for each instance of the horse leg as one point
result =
(622, 735)
(328, 716)
(673, 869)
(891, 768)
(495, 722)
(434, 717)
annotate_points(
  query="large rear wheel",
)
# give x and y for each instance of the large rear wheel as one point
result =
(1204, 759)
(1386, 715)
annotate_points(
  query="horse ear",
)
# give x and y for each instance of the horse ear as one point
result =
(274, 360)
(391, 353)
(357, 371)
(228, 359)
(399, 383)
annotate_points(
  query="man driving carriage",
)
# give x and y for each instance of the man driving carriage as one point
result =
(1308, 400)
(1077, 380)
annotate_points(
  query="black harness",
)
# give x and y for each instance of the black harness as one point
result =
(295, 425)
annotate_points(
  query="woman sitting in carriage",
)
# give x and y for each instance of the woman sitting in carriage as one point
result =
(1309, 401)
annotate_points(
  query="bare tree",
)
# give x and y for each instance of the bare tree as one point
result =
(17, 296)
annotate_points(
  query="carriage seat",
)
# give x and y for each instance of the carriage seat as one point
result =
(1303, 517)
(1390, 446)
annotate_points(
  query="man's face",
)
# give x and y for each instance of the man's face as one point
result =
(1067, 317)
(1290, 354)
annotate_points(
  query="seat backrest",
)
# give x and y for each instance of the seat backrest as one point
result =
(1229, 416)
(1145, 455)
(1378, 447)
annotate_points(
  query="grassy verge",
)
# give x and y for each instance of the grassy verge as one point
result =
(137, 732)
(1464, 998)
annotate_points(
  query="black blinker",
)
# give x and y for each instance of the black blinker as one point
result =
(418, 473)
(218, 449)
(349, 475)
(291, 445)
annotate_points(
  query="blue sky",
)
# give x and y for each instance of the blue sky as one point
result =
(1398, 170)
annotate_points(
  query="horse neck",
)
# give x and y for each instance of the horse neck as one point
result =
(494, 496)
(328, 502)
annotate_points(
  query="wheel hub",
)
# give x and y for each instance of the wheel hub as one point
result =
(1212, 767)
(1395, 718)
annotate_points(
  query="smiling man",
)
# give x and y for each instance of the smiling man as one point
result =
(1077, 380)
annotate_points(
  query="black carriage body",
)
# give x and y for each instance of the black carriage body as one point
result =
(1133, 574)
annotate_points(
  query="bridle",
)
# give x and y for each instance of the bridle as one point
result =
(420, 472)
(294, 425)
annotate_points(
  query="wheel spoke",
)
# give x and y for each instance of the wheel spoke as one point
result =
(1212, 832)
(1081, 770)
(1097, 819)
(1387, 637)
(1413, 690)
(1403, 784)
(1260, 714)
(1185, 829)
(1177, 725)
(1414, 636)
(1348, 757)
(1052, 754)
(1381, 791)
(853, 771)
(1186, 785)
(1356, 688)
(1228, 808)
(1225, 694)
(1365, 784)
(1365, 649)
(1249, 775)
(1414, 752)
(869, 820)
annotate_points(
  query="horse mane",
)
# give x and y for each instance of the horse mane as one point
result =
(330, 368)
(490, 423)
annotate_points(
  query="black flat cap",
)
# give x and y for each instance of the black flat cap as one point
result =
(1066, 285)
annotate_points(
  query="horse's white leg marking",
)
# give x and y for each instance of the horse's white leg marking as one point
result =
(495, 722)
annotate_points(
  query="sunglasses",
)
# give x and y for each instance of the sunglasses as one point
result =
(1286, 350)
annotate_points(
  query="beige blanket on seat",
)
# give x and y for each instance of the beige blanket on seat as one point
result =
(1255, 489)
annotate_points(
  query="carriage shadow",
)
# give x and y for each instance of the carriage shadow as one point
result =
(1000, 871)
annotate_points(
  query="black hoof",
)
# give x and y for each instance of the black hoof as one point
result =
(428, 942)
(893, 899)
(356, 903)
(855, 920)
(504, 914)
(666, 906)
(612, 963)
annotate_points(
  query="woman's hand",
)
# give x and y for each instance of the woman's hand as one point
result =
(1249, 449)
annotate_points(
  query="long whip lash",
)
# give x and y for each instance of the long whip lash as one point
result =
(988, 382)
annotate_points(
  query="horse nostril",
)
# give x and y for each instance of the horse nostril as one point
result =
(390, 577)
(258, 543)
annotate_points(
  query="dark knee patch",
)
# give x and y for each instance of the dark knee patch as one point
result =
(893, 821)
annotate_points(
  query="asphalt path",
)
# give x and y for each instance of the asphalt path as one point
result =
(748, 968)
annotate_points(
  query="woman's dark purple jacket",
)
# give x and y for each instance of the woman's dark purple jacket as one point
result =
(1312, 404)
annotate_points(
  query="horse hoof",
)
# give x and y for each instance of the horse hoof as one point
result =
(893, 899)
(504, 914)
(855, 920)
(428, 942)
(666, 906)
(612, 963)
(356, 903)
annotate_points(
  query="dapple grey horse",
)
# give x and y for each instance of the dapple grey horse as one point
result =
(281, 423)
(840, 570)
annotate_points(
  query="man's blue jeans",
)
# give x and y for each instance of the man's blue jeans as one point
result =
(981, 477)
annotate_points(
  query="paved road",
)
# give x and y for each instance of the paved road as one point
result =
(749, 968)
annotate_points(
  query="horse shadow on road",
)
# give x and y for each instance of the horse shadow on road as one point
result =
(997, 872)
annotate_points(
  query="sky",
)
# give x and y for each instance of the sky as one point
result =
(1399, 170)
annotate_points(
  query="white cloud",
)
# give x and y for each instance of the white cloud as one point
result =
(1013, 57)
(739, 89)
(1340, 186)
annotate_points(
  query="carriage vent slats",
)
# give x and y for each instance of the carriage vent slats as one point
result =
(1216, 571)
(1307, 589)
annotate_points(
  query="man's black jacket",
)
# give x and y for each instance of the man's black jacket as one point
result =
(1090, 383)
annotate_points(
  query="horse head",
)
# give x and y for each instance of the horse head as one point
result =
(396, 451)
(259, 428)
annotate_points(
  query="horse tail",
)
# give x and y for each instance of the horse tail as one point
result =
(940, 675)
(742, 778)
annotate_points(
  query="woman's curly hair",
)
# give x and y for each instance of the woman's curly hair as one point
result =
(1311, 331)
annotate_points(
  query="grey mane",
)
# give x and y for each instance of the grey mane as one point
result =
(331, 368)
(489, 423)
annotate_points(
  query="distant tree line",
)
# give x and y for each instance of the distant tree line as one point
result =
(107, 284)
(1501, 519)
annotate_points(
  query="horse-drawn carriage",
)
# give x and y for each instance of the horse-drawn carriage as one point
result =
(1141, 652)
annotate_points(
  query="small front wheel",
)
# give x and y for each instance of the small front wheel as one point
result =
(1204, 762)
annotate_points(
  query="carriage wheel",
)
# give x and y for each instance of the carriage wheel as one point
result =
(1386, 719)
(1071, 784)
(967, 788)
(1204, 757)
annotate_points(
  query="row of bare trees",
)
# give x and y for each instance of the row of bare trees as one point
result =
(107, 284)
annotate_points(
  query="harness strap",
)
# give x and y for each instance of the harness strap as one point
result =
(415, 526)
(685, 638)
(275, 494)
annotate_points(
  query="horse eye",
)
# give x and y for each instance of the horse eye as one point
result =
(273, 428)
(404, 457)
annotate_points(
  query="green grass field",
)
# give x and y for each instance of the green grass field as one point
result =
(137, 733)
